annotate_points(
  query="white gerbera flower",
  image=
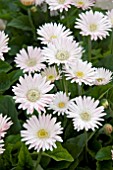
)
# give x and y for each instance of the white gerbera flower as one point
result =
(30, 60)
(85, 113)
(1, 146)
(63, 51)
(59, 4)
(84, 4)
(94, 24)
(60, 103)
(51, 74)
(80, 72)
(5, 124)
(39, 2)
(103, 76)
(110, 16)
(31, 93)
(42, 133)
(3, 44)
(51, 31)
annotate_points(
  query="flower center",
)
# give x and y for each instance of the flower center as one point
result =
(42, 133)
(33, 95)
(61, 1)
(31, 62)
(100, 80)
(62, 55)
(51, 77)
(80, 3)
(61, 105)
(79, 74)
(53, 37)
(93, 27)
(85, 116)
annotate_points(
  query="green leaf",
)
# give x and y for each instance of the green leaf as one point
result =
(14, 75)
(4, 82)
(4, 66)
(104, 153)
(59, 154)
(104, 165)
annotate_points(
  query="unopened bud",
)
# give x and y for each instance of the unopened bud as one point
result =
(104, 103)
(108, 129)
(34, 9)
(2, 24)
(27, 2)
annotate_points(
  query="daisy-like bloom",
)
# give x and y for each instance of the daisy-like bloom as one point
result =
(59, 4)
(5, 124)
(85, 113)
(1, 146)
(84, 4)
(39, 2)
(3, 44)
(42, 133)
(30, 60)
(51, 31)
(63, 51)
(27, 2)
(103, 76)
(110, 16)
(31, 93)
(80, 72)
(60, 103)
(94, 24)
(51, 74)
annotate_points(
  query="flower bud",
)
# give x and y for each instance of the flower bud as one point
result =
(2, 24)
(104, 103)
(34, 9)
(27, 2)
(108, 129)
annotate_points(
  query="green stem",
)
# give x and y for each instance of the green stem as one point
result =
(65, 85)
(111, 43)
(89, 48)
(79, 90)
(86, 147)
(32, 25)
(38, 160)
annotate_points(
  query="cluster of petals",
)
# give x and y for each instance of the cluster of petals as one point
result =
(93, 24)
(106, 4)
(31, 93)
(63, 51)
(3, 44)
(38, 2)
(86, 113)
(80, 72)
(42, 133)
(110, 16)
(51, 31)
(1, 146)
(84, 4)
(30, 60)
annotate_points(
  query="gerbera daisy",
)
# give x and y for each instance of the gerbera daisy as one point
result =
(31, 93)
(110, 16)
(5, 124)
(80, 72)
(63, 51)
(42, 133)
(103, 76)
(60, 103)
(59, 4)
(1, 146)
(51, 74)
(84, 4)
(94, 24)
(85, 113)
(30, 60)
(3, 44)
(27, 2)
(51, 31)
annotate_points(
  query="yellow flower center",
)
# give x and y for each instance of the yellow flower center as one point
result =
(100, 80)
(93, 27)
(80, 3)
(62, 55)
(85, 116)
(61, 1)
(42, 133)
(80, 74)
(51, 77)
(53, 37)
(61, 105)
(33, 95)
(31, 62)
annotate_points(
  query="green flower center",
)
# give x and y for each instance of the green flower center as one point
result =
(42, 133)
(33, 95)
(93, 27)
(100, 80)
(85, 116)
(31, 62)
(80, 3)
(51, 77)
(62, 55)
(61, 1)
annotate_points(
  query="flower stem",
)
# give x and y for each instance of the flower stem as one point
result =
(38, 160)
(89, 48)
(79, 90)
(86, 147)
(111, 44)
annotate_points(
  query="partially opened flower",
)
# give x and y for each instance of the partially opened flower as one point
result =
(60, 103)
(31, 93)
(86, 113)
(94, 24)
(5, 124)
(3, 44)
(30, 60)
(103, 76)
(84, 4)
(110, 16)
(80, 72)
(63, 51)
(42, 133)
(51, 31)
(59, 4)
(1, 146)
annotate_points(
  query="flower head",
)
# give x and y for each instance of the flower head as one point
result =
(85, 113)
(110, 16)
(103, 76)
(52, 31)
(27, 2)
(1, 146)
(3, 44)
(84, 4)
(31, 93)
(63, 51)
(106, 4)
(39, 2)
(94, 24)
(42, 133)
(30, 60)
